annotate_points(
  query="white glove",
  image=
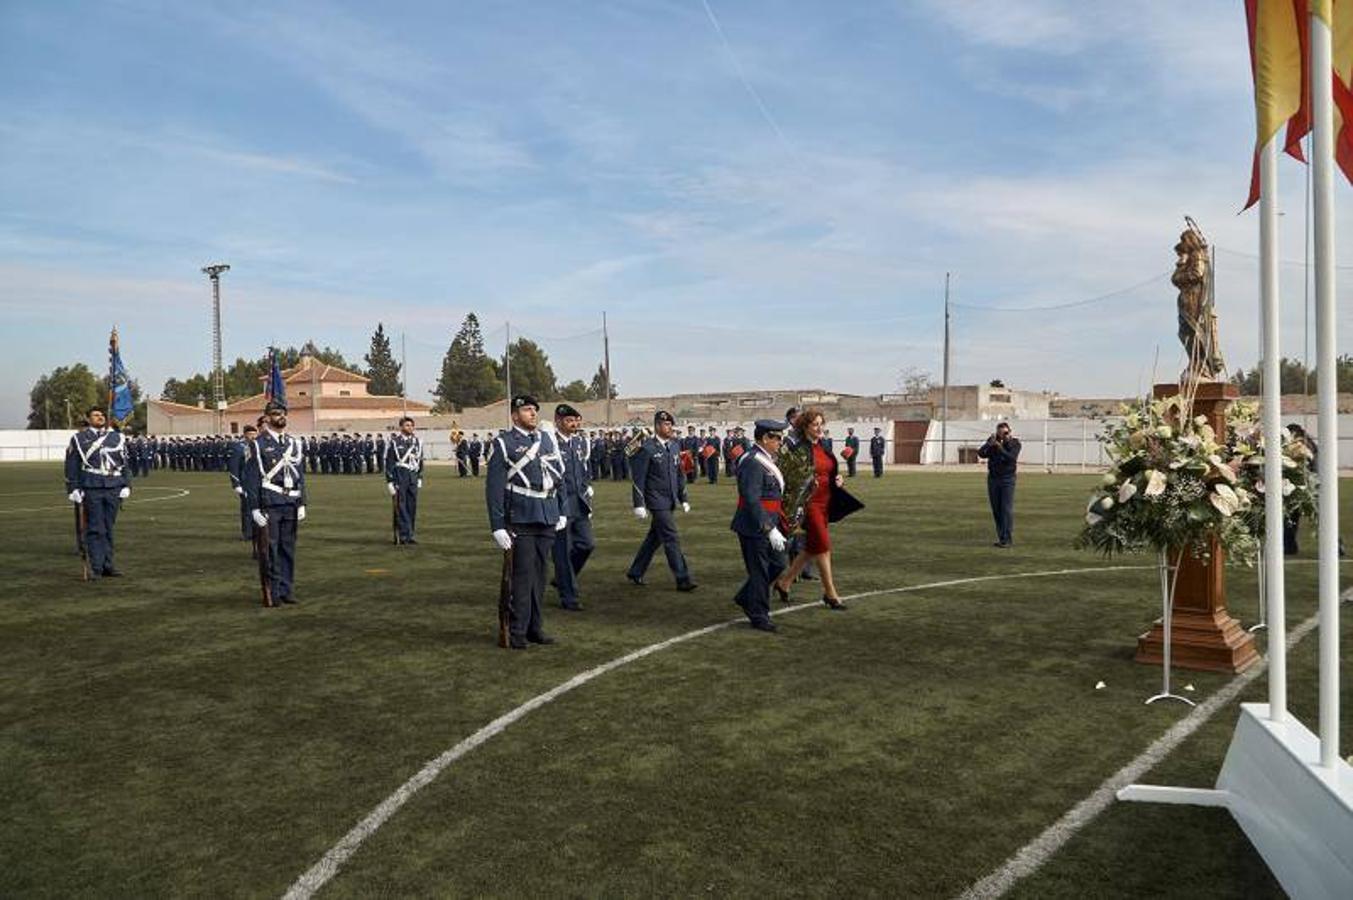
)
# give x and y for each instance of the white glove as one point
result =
(76, 496)
(260, 518)
(300, 513)
(640, 512)
(561, 524)
(685, 507)
(502, 539)
(124, 493)
(589, 492)
(239, 490)
(420, 484)
(777, 540)
(390, 486)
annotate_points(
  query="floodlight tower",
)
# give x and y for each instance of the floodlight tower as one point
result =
(214, 272)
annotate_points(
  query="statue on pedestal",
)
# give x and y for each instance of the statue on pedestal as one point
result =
(1197, 308)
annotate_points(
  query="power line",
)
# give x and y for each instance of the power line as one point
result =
(1100, 299)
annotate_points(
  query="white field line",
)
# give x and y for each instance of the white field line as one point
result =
(179, 492)
(327, 867)
(1029, 858)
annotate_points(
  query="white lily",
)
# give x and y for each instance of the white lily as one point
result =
(1127, 492)
(1155, 483)
(1288, 487)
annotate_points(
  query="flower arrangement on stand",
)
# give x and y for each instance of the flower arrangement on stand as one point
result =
(1174, 487)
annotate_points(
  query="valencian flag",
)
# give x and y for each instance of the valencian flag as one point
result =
(1279, 55)
(120, 404)
(276, 389)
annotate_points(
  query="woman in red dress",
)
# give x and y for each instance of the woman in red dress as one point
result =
(829, 503)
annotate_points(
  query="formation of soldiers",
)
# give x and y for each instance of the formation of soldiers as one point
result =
(538, 494)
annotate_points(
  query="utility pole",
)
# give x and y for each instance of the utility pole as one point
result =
(944, 397)
(507, 370)
(606, 359)
(214, 272)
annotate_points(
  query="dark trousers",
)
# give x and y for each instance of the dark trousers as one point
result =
(1001, 493)
(618, 469)
(462, 469)
(474, 466)
(572, 547)
(712, 469)
(728, 470)
(101, 508)
(531, 545)
(878, 466)
(406, 503)
(662, 531)
(370, 464)
(763, 565)
(850, 467)
(246, 522)
(1290, 527)
(281, 549)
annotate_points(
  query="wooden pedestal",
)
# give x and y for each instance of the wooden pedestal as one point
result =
(1205, 636)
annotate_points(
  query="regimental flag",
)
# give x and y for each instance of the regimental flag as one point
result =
(276, 389)
(1279, 59)
(121, 407)
(1276, 64)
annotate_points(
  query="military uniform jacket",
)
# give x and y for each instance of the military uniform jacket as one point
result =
(761, 490)
(404, 454)
(275, 475)
(240, 457)
(96, 458)
(656, 471)
(876, 446)
(573, 499)
(522, 487)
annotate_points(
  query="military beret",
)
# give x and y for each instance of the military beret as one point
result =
(768, 426)
(522, 400)
(663, 415)
(563, 409)
(273, 406)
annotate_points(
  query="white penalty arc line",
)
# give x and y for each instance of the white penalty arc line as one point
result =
(179, 493)
(1031, 857)
(321, 872)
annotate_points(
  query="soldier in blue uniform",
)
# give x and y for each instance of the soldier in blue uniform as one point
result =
(659, 488)
(463, 457)
(521, 494)
(404, 477)
(369, 452)
(759, 522)
(877, 445)
(709, 456)
(380, 452)
(619, 464)
(235, 466)
(1001, 451)
(476, 453)
(274, 485)
(96, 481)
(573, 545)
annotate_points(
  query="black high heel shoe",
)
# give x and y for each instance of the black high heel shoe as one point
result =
(834, 604)
(780, 592)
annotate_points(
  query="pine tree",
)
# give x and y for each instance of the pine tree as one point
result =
(597, 390)
(531, 370)
(468, 376)
(381, 366)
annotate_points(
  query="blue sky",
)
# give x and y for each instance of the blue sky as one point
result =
(778, 210)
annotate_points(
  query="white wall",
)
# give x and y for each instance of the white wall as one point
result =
(31, 446)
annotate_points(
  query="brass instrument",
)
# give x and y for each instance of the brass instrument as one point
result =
(637, 441)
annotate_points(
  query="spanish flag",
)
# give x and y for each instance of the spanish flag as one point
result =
(1271, 46)
(1276, 63)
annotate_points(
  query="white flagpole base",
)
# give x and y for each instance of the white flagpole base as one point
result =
(1152, 793)
(1262, 626)
(1168, 696)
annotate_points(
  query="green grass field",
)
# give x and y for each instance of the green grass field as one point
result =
(162, 735)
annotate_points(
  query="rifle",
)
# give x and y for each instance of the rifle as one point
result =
(505, 598)
(394, 517)
(81, 523)
(263, 552)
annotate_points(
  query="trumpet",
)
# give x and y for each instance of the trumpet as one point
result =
(637, 441)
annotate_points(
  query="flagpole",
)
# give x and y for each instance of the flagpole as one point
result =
(1327, 419)
(1272, 425)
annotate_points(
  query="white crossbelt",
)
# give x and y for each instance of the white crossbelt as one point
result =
(404, 459)
(763, 457)
(288, 477)
(516, 470)
(104, 467)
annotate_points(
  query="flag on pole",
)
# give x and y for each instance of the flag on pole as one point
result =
(1342, 30)
(1276, 63)
(276, 390)
(120, 404)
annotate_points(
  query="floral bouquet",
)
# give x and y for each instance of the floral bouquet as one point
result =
(796, 465)
(1173, 486)
(1246, 441)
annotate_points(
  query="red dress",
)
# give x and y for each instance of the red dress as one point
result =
(815, 514)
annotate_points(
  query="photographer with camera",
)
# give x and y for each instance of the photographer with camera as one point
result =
(1001, 451)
